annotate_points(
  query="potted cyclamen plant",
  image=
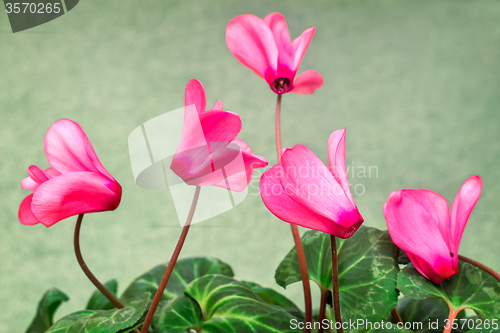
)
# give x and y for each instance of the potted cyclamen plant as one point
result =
(409, 278)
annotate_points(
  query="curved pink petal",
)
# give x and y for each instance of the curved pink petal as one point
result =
(25, 215)
(462, 207)
(68, 149)
(37, 174)
(307, 82)
(308, 182)
(220, 126)
(239, 172)
(195, 95)
(251, 41)
(218, 105)
(436, 206)
(336, 161)
(300, 45)
(29, 184)
(202, 133)
(277, 23)
(437, 272)
(74, 193)
(283, 207)
(415, 230)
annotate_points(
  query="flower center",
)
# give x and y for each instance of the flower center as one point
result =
(281, 85)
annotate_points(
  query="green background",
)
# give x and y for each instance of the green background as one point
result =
(416, 83)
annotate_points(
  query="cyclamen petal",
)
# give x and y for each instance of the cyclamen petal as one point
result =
(264, 45)
(420, 223)
(208, 153)
(76, 183)
(301, 190)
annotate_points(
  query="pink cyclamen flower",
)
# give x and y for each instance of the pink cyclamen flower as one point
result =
(420, 223)
(301, 190)
(209, 153)
(76, 183)
(264, 46)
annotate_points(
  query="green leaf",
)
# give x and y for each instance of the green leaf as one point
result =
(231, 306)
(185, 271)
(470, 288)
(367, 271)
(422, 312)
(46, 309)
(273, 297)
(98, 301)
(103, 321)
(177, 316)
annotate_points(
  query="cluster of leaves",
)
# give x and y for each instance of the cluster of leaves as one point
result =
(374, 278)
(203, 296)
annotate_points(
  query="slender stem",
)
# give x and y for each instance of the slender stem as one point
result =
(322, 309)
(481, 266)
(396, 316)
(335, 281)
(171, 264)
(278, 127)
(295, 232)
(87, 271)
(451, 318)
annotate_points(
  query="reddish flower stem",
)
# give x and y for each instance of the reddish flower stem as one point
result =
(396, 316)
(335, 281)
(295, 232)
(451, 317)
(171, 264)
(480, 266)
(322, 309)
(87, 271)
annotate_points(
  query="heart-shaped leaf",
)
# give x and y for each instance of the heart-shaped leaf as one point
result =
(216, 303)
(426, 315)
(46, 309)
(273, 297)
(471, 288)
(98, 301)
(178, 316)
(185, 271)
(103, 321)
(367, 271)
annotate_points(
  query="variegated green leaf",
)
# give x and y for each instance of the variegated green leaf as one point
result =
(185, 271)
(471, 288)
(103, 321)
(46, 309)
(367, 271)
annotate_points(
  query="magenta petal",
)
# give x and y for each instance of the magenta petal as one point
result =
(68, 149)
(307, 82)
(220, 126)
(439, 271)
(300, 45)
(308, 182)
(195, 95)
(218, 105)
(25, 215)
(74, 193)
(279, 28)
(416, 230)
(251, 41)
(29, 184)
(462, 207)
(239, 172)
(336, 160)
(280, 204)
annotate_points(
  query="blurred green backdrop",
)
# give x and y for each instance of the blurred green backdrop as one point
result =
(416, 83)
